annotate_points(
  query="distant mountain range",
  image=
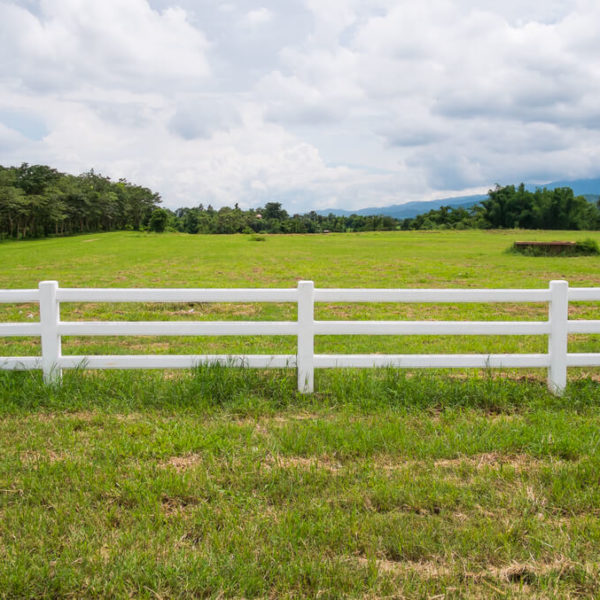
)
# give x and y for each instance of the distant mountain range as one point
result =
(590, 188)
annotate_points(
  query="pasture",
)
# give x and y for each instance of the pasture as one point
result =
(227, 483)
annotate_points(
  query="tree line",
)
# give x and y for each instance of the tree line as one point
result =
(39, 201)
(272, 218)
(509, 207)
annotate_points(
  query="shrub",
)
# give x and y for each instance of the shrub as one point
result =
(587, 247)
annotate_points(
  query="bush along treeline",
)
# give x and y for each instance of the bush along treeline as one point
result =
(272, 218)
(38, 201)
(586, 247)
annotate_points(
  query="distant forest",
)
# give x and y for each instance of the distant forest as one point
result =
(39, 201)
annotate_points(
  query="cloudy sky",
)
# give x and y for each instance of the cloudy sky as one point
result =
(312, 103)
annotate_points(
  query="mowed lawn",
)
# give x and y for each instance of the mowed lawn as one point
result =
(377, 259)
(224, 483)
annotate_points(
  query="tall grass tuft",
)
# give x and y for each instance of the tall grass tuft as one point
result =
(211, 388)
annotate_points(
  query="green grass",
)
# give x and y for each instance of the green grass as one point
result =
(398, 259)
(226, 483)
(402, 259)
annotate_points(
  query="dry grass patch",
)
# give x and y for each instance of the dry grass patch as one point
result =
(325, 463)
(528, 572)
(182, 463)
(297, 417)
(425, 569)
(502, 579)
(262, 424)
(493, 460)
(48, 417)
(175, 505)
(485, 460)
(150, 347)
(33, 457)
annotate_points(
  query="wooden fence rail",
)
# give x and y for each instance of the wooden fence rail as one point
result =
(557, 328)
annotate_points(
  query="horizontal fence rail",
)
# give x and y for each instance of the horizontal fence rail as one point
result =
(51, 329)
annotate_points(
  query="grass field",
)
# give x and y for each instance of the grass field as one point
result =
(221, 483)
(406, 259)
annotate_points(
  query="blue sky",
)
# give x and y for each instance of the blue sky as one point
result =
(313, 103)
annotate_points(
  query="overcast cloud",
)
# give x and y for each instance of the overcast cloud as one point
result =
(312, 103)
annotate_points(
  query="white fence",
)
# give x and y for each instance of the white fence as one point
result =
(51, 329)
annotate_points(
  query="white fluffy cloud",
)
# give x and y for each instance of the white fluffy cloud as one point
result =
(109, 43)
(314, 104)
(258, 16)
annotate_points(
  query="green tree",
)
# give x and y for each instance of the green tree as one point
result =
(158, 220)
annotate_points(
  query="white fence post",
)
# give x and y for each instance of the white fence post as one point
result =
(558, 316)
(49, 319)
(306, 337)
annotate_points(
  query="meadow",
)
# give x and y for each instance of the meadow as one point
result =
(225, 483)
